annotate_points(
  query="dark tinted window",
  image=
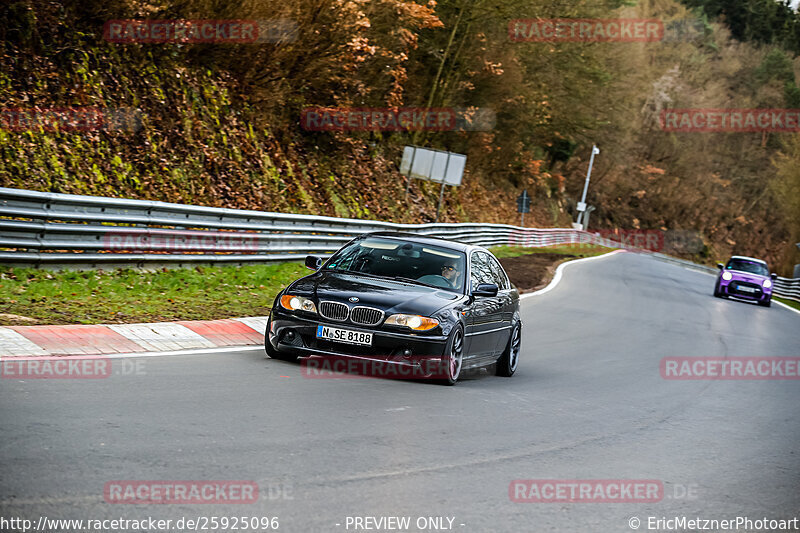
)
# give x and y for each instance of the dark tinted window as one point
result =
(499, 274)
(481, 270)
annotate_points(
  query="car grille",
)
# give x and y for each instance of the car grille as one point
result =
(735, 286)
(333, 310)
(366, 316)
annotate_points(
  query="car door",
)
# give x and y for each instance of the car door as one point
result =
(506, 297)
(486, 313)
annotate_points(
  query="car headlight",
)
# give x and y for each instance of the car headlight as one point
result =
(415, 322)
(297, 303)
(767, 284)
(727, 276)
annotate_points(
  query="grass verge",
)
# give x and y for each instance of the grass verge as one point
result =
(790, 303)
(574, 250)
(32, 296)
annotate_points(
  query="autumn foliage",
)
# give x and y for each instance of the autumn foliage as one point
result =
(221, 122)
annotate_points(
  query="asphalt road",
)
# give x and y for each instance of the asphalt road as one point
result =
(588, 402)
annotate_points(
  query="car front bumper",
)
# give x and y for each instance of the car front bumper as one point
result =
(739, 290)
(289, 333)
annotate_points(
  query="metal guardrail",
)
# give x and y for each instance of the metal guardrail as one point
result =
(52, 229)
(787, 288)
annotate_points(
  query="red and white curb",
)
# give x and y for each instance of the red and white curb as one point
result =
(132, 339)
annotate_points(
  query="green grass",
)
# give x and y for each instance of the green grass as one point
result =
(790, 303)
(126, 296)
(577, 250)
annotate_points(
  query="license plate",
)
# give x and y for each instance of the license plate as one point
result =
(346, 336)
(745, 289)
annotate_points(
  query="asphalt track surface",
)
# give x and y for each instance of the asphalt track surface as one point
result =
(587, 402)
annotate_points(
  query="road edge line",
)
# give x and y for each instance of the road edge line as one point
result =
(192, 351)
(789, 307)
(557, 277)
(131, 355)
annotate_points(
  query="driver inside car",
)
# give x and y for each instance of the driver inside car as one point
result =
(449, 277)
(452, 274)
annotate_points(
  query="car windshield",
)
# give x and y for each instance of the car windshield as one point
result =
(742, 265)
(425, 264)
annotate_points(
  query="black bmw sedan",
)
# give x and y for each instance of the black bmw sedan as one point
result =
(402, 299)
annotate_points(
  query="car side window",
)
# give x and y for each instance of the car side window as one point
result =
(499, 274)
(480, 270)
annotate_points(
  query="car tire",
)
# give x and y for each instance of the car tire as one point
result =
(766, 303)
(716, 290)
(507, 364)
(453, 360)
(272, 353)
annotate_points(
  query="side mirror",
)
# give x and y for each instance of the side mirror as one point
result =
(485, 289)
(313, 262)
(773, 275)
(720, 266)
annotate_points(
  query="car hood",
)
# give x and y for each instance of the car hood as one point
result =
(738, 275)
(389, 295)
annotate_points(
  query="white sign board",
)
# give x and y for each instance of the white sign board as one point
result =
(433, 165)
(581, 206)
(455, 169)
(405, 163)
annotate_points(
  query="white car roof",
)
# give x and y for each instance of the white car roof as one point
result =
(748, 259)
